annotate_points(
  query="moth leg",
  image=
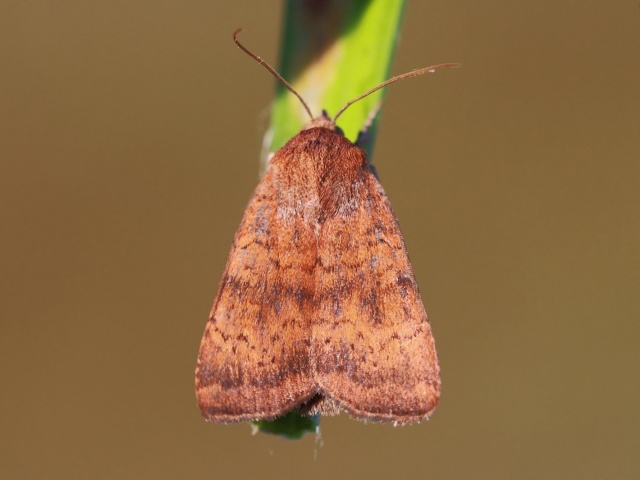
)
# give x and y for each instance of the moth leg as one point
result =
(364, 139)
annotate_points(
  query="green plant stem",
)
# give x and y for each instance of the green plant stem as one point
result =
(332, 51)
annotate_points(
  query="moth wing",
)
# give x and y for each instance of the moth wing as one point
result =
(253, 362)
(373, 353)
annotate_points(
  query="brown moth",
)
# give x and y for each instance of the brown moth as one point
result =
(318, 309)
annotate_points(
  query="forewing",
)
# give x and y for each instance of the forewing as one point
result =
(372, 349)
(254, 356)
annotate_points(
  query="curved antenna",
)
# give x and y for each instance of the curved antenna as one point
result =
(413, 73)
(271, 70)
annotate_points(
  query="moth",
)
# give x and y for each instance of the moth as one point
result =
(318, 309)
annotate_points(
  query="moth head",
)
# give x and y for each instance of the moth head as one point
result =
(324, 121)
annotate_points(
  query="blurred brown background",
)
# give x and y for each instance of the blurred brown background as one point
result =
(129, 143)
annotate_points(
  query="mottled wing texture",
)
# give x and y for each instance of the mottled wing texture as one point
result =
(254, 356)
(373, 353)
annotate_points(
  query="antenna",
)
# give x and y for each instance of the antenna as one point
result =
(413, 73)
(271, 70)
